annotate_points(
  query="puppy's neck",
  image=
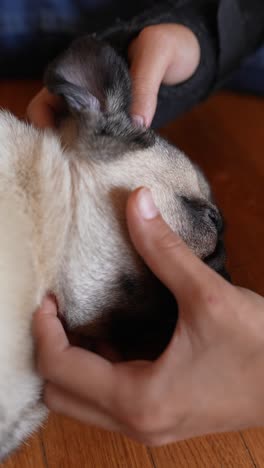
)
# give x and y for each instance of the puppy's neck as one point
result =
(35, 174)
(51, 205)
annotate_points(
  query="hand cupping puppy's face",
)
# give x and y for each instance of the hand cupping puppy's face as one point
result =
(103, 288)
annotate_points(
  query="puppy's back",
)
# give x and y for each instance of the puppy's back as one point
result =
(20, 387)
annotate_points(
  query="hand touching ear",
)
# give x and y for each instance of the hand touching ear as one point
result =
(209, 379)
(165, 53)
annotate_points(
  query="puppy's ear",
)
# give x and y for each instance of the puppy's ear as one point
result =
(93, 80)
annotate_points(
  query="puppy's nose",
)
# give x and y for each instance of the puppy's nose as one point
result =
(213, 216)
(205, 211)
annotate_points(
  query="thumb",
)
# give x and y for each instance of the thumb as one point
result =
(165, 252)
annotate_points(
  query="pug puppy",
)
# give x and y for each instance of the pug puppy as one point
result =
(62, 204)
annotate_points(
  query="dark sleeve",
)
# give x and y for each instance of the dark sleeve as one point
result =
(227, 30)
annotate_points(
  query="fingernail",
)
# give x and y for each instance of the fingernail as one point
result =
(48, 305)
(138, 120)
(146, 205)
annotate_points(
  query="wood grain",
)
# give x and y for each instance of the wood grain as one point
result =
(254, 441)
(217, 451)
(30, 455)
(64, 438)
(224, 136)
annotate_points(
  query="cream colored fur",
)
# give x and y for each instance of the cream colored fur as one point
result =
(63, 230)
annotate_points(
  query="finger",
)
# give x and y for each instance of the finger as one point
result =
(148, 66)
(65, 403)
(76, 370)
(164, 252)
(46, 323)
(43, 109)
(166, 53)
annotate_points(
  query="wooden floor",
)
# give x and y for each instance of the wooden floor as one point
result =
(226, 137)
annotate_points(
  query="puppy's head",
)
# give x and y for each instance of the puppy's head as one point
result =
(103, 286)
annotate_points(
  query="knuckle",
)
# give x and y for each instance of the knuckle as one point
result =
(212, 302)
(143, 422)
(209, 297)
(157, 33)
(155, 440)
(145, 419)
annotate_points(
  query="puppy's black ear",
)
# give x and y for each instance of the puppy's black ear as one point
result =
(92, 79)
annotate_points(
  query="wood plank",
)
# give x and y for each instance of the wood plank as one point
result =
(71, 444)
(254, 441)
(217, 451)
(30, 455)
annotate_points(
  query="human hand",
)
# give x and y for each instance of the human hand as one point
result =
(164, 53)
(210, 377)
